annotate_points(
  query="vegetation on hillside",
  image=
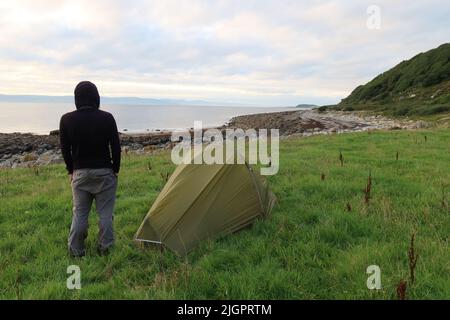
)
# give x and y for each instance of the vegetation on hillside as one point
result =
(419, 86)
(331, 223)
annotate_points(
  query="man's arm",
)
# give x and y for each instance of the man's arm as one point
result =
(66, 146)
(114, 141)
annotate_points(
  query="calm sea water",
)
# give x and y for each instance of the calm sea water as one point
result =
(41, 118)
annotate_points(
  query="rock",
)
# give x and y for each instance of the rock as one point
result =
(46, 157)
(57, 159)
(136, 146)
(44, 147)
(420, 125)
(13, 150)
(15, 159)
(28, 147)
(5, 164)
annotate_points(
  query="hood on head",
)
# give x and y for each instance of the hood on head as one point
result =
(86, 94)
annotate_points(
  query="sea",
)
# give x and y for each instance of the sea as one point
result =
(41, 118)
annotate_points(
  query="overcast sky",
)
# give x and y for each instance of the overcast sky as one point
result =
(259, 52)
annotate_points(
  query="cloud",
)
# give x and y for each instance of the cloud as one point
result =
(261, 52)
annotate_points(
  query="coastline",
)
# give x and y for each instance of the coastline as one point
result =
(29, 150)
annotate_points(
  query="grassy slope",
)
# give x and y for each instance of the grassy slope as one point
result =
(311, 247)
(416, 87)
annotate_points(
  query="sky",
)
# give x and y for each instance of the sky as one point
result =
(260, 52)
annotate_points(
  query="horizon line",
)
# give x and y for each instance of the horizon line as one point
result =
(178, 101)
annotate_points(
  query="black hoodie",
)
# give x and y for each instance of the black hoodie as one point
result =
(89, 136)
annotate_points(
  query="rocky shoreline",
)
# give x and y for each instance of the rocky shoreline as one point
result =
(19, 150)
(311, 122)
(28, 150)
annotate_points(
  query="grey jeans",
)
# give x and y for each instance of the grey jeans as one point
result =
(87, 185)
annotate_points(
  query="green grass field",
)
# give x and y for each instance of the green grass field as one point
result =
(312, 246)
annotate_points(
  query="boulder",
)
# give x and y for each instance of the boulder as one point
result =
(420, 125)
(5, 164)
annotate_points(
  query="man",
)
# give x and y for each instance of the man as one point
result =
(90, 147)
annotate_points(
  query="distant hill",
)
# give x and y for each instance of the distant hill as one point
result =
(419, 86)
(306, 106)
(111, 100)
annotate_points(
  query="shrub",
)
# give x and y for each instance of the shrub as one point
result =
(430, 110)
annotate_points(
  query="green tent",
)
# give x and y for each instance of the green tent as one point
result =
(202, 201)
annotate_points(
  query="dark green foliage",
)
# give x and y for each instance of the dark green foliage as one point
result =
(413, 87)
(323, 108)
(434, 109)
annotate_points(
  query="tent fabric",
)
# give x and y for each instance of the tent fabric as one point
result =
(201, 201)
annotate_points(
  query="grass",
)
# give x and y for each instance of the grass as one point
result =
(417, 87)
(316, 245)
(398, 109)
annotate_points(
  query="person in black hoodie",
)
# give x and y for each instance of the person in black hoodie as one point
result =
(90, 146)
